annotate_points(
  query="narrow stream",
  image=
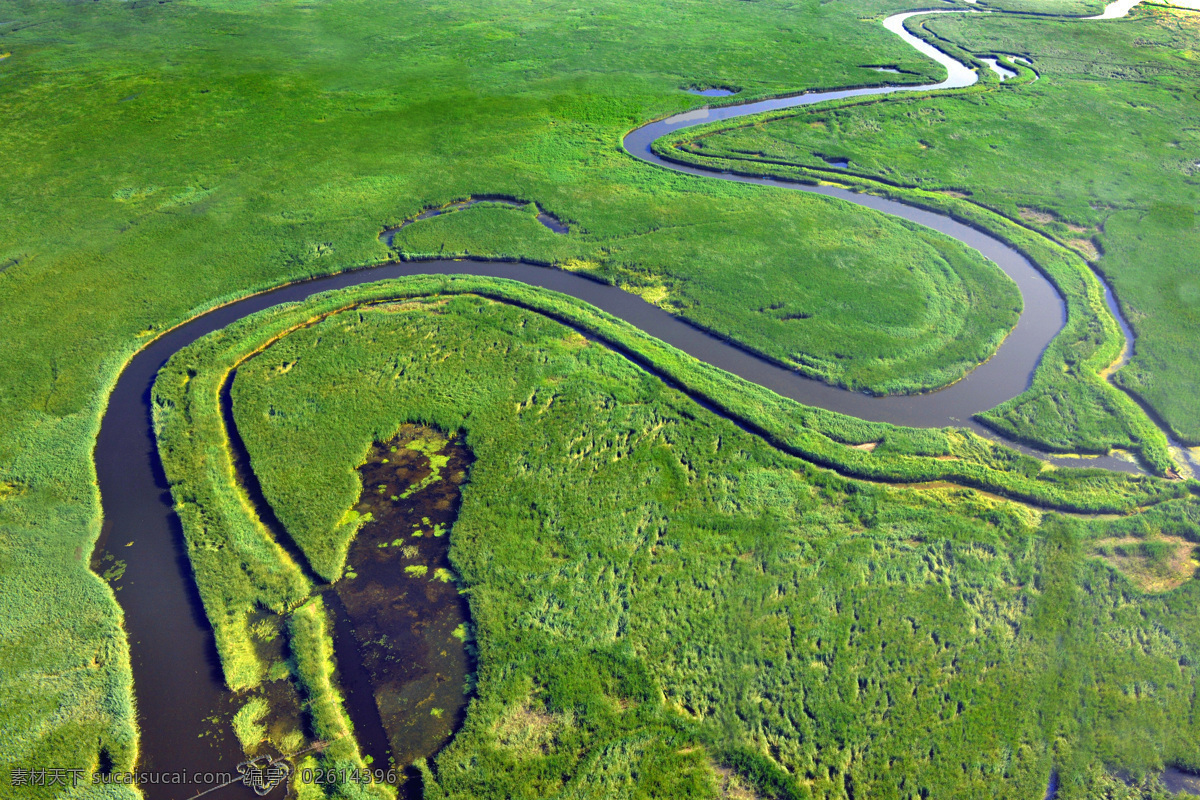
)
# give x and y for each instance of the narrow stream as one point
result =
(1002, 71)
(177, 677)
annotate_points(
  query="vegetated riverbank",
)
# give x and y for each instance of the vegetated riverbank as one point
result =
(394, 675)
(151, 576)
(937, 308)
(177, 216)
(892, 454)
(154, 585)
(1082, 412)
(602, 503)
(197, 152)
(1059, 128)
(1122, 422)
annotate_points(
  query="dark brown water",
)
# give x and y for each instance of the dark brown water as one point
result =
(410, 623)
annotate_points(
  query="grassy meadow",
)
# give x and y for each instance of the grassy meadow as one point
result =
(667, 605)
(1100, 153)
(160, 158)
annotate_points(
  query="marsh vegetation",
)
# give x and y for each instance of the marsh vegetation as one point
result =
(673, 598)
(1107, 153)
(161, 158)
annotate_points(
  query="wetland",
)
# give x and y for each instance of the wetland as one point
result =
(401, 594)
(570, 700)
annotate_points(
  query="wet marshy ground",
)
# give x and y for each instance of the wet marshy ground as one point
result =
(1180, 782)
(547, 219)
(400, 594)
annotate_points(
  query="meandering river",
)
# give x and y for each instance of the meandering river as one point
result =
(177, 676)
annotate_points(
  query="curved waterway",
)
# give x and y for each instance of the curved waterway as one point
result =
(1010, 370)
(177, 676)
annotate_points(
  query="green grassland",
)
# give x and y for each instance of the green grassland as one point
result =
(160, 158)
(1100, 154)
(659, 595)
(790, 283)
(1056, 7)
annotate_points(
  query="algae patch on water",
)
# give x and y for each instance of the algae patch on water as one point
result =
(410, 622)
